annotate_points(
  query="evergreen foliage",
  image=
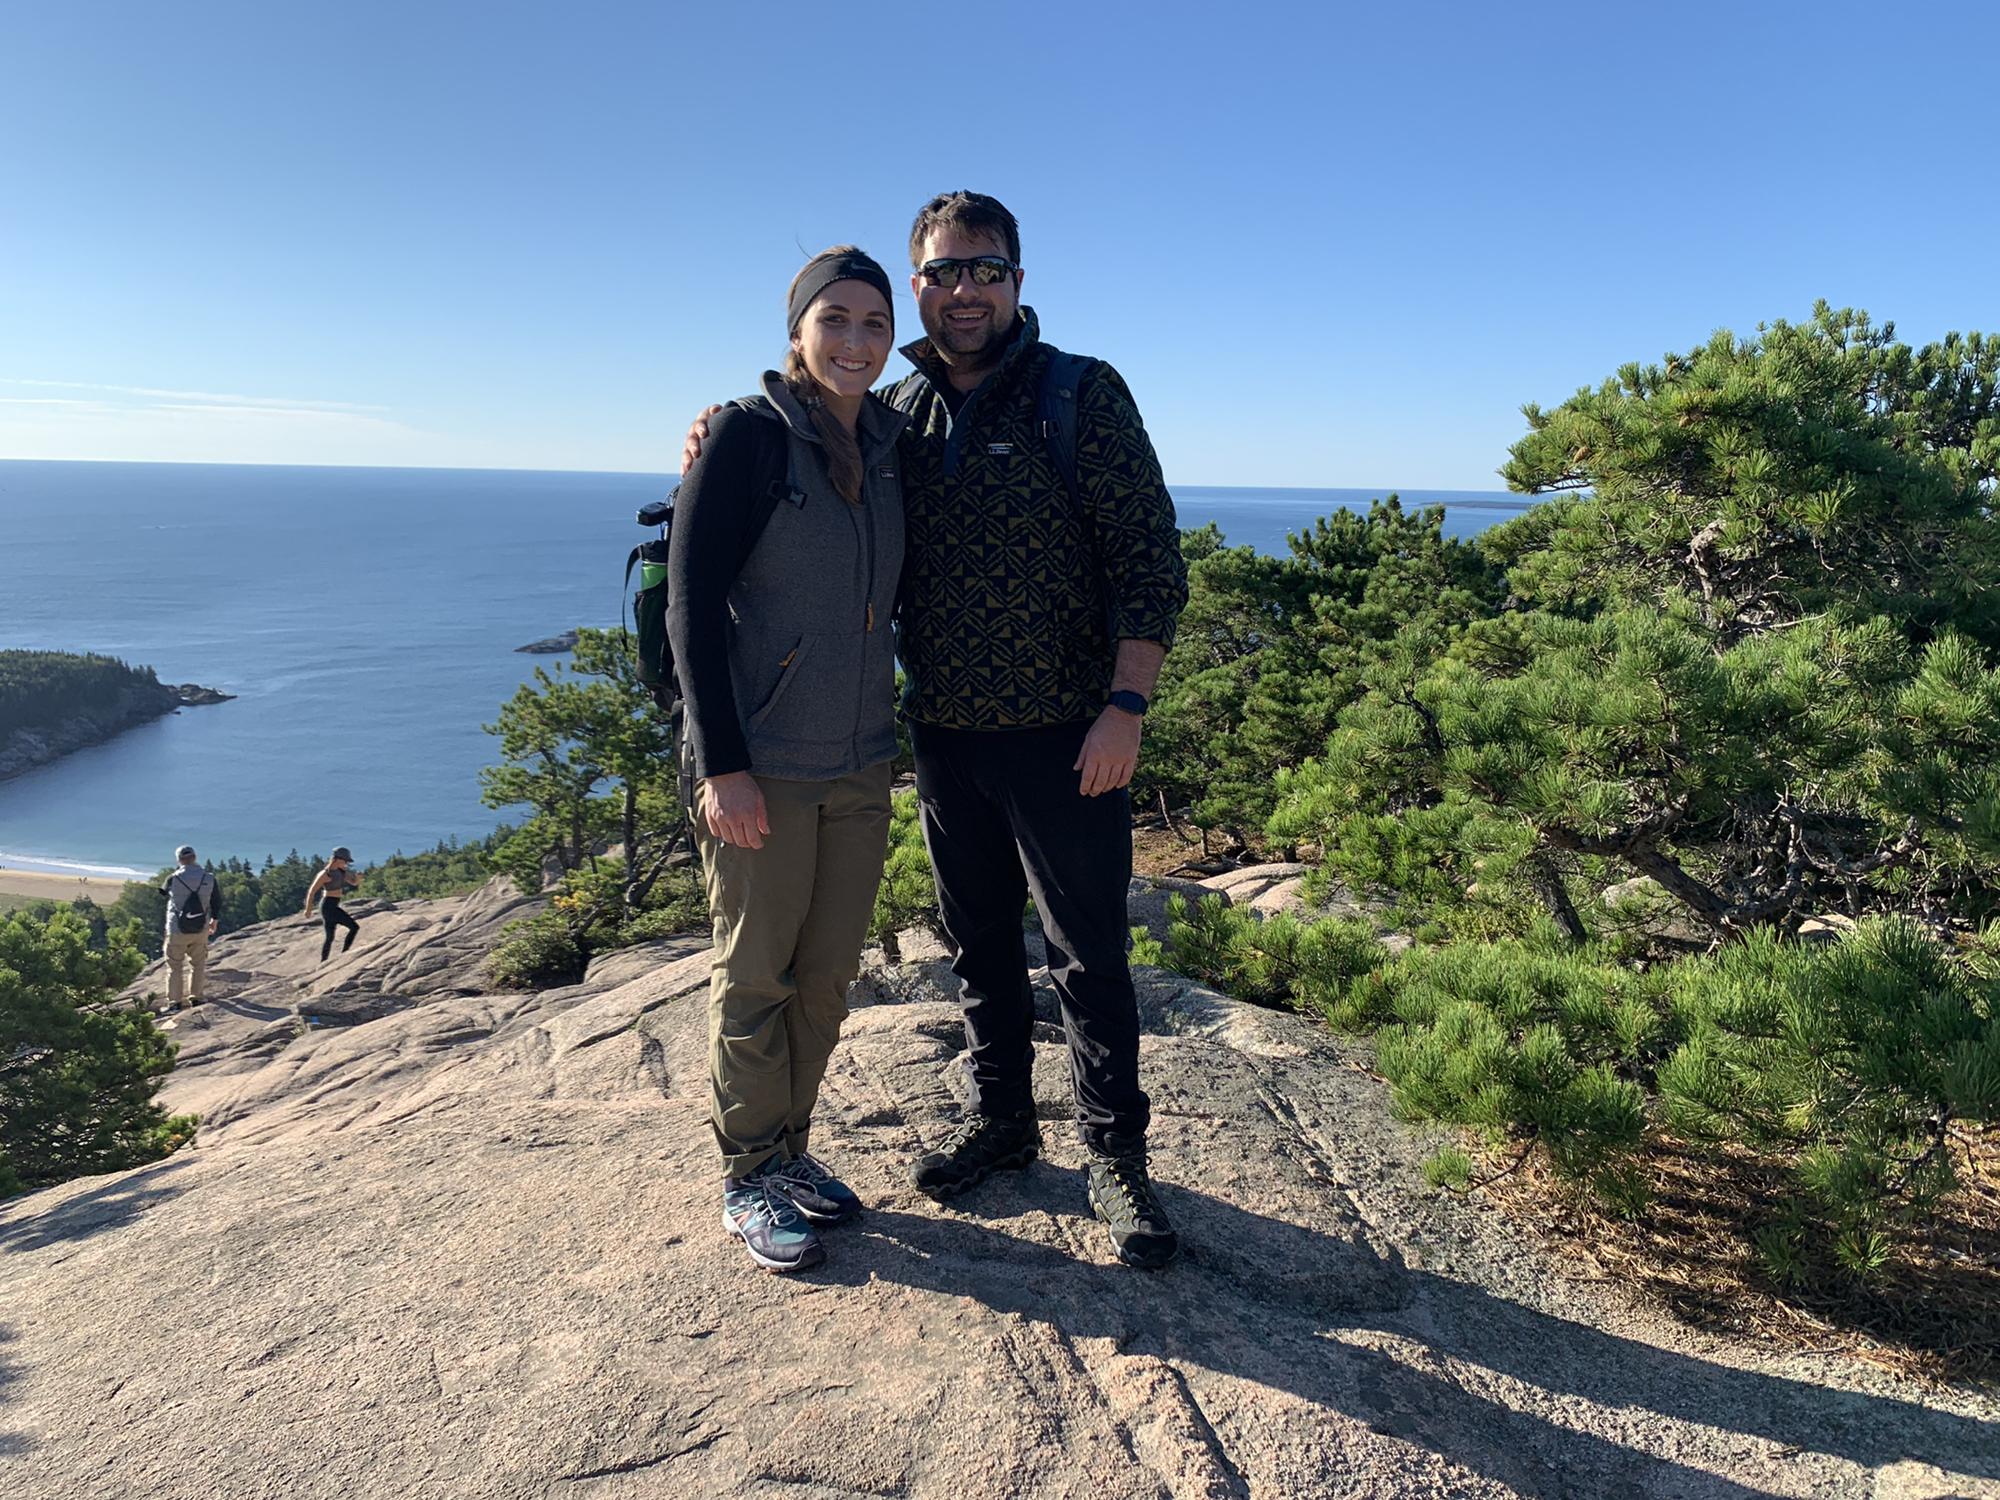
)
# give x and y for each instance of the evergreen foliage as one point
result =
(76, 1078)
(590, 754)
(1271, 961)
(1750, 653)
(1756, 666)
(1270, 649)
(42, 689)
(1854, 1062)
(906, 897)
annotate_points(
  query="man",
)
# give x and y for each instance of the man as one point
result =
(1033, 624)
(194, 905)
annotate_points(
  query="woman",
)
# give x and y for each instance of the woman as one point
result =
(335, 881)
(780, 627)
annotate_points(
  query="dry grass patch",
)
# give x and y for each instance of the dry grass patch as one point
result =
(1933, 1312)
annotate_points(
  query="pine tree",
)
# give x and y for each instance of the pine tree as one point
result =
(1758, 667)
(76, 1078)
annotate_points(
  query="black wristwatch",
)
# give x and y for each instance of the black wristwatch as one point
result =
(1133, 703)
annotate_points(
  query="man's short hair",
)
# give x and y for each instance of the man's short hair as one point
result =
(968, 213)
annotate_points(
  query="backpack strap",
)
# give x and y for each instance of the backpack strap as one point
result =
(904, 395)
(1057, 402)
(770, 486)
(1056, 423)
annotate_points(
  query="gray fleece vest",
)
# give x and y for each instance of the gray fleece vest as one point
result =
(812, 657)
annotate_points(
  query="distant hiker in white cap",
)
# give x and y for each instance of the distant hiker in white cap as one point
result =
(194, 904)
(332, 884)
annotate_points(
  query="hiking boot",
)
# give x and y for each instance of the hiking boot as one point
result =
(978, 1147)
(756, 1210)
(1121, 1194)
(815, 1191)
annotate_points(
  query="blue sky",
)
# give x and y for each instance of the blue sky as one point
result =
(1328, 245)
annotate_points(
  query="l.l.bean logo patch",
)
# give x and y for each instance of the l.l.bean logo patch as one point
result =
(1000, 450)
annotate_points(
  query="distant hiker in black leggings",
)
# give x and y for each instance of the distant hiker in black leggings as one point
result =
(331, 885)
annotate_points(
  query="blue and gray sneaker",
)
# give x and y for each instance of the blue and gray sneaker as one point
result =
(756, 1210)
(815, 1191)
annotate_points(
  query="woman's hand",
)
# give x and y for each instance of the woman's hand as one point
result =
(733, 807)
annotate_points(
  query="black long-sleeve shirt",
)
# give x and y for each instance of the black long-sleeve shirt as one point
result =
(713, 520)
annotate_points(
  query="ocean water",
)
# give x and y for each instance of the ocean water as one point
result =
(366, 619)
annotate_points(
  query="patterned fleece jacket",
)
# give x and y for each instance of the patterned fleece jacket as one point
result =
(1005, 599)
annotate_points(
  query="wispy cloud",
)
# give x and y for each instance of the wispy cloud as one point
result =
(43, 418)
(241, 409)
(202, 398)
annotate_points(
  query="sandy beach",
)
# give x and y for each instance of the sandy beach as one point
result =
(38, 885)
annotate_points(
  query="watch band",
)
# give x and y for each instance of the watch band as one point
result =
(1131, 702)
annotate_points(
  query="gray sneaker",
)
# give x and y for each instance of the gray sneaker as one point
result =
(756, 1210)
(1121, 1194)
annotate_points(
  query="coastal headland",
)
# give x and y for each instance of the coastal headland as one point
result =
(56, 702)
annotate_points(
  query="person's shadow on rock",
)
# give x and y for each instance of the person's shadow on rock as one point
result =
(1263, 1300)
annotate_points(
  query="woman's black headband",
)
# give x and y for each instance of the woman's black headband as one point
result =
(823, 274)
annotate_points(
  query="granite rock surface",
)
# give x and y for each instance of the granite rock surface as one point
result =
(471, 1247)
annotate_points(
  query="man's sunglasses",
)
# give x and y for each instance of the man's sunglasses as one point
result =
(985, 269)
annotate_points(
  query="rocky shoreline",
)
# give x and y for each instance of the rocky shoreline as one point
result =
(25, 749)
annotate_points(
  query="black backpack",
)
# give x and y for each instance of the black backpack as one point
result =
(193, 917)
(770, 483)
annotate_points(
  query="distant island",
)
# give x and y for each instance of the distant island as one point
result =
(53, 702)
(555, 645)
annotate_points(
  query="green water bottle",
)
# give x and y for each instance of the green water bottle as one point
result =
(652, 565)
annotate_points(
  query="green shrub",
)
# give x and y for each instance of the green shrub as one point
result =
(77, 1079)
(906, 897)
(1851, 1063)
(537, 952)
(1528, 1043)
(1272, 962)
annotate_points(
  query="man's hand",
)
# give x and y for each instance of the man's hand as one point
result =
(1110, 753)
(697, 435)
(212, 925)
(733, 808)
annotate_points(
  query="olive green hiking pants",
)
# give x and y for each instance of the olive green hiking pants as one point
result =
(790, 919)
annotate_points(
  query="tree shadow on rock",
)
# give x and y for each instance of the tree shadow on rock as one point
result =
(1265, 1301)
(109, 1206)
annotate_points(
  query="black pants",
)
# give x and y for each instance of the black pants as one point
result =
(1003, 819)
(331, 914)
